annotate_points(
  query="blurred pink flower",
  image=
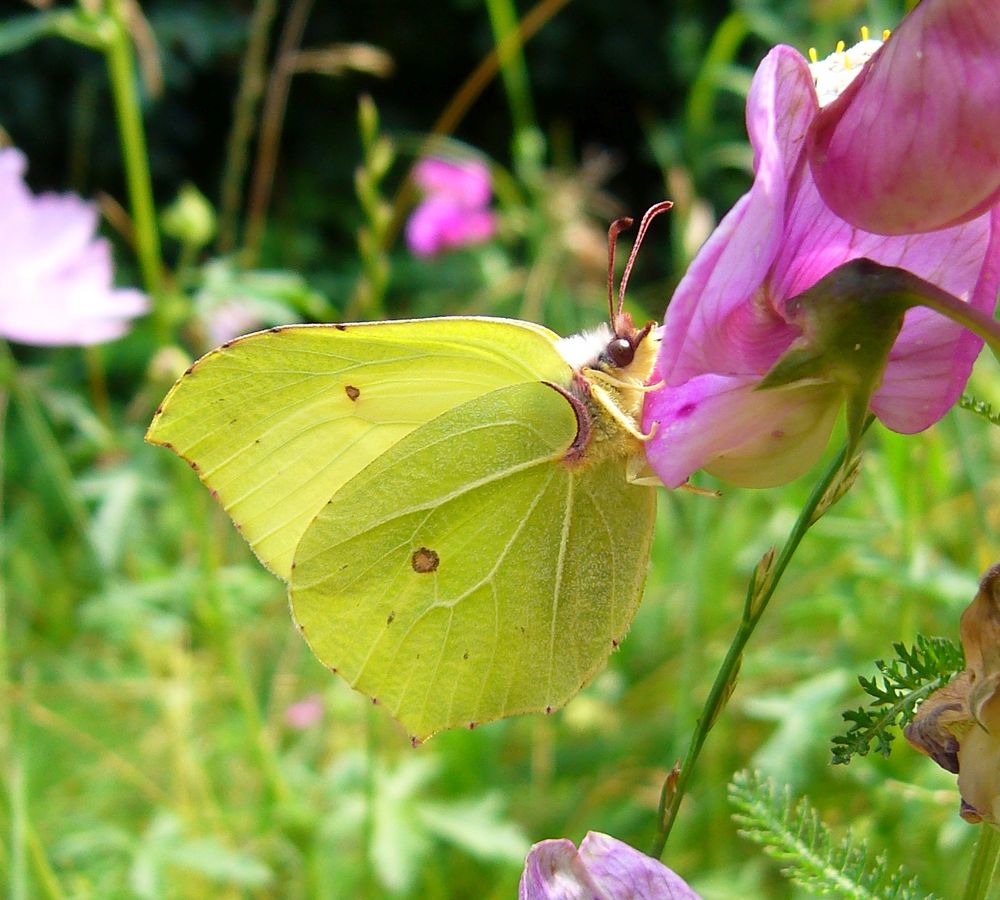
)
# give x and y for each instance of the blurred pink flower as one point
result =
(305, 713)
(55, 275)
(603, 868)
(913, 143)
(454, 210)
(728, 322)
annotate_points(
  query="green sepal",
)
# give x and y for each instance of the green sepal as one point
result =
(849, 321)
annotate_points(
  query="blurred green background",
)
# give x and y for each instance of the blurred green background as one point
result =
(150, 663)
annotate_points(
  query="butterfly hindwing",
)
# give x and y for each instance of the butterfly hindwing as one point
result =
(276, 422)
(469, 572)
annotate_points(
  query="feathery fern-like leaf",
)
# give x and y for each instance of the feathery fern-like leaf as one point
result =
(906, 680)
(793, 833)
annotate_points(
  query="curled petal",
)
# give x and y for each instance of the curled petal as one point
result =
(709, 326)
(751, 438)
(603, 869)
(927, 103)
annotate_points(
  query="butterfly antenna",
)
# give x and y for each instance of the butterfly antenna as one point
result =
(616, 228)
(647, 218)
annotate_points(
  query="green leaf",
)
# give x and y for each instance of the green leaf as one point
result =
(906, 680)
(478, 827)
(793, 833)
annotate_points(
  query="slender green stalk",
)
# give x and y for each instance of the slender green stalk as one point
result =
(49, 457)
(124, 90)
(723, 49)
(984, 864)
(761, 588)
(514, 74)
(271, 122)
(252, 79)
(979, 323)
(215, 615)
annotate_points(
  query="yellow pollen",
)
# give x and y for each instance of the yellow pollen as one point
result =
(813, 55)
(885, 34)
(864, 32)
(840, 46)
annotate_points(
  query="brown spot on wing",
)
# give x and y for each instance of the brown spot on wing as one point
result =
(352, 391)
(425, 560)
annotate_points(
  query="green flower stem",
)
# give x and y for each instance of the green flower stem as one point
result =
(761, 588)
(50, 457)
(514, 73)
(984, 864)
(216, 619)
(967, 316)
(121, 73)
(721, 53)
(253, 76)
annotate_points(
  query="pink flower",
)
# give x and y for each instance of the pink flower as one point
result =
(454, 210)
(913, 144)
(55, 275)
(730, 319)
(305, 713)
(603, 868)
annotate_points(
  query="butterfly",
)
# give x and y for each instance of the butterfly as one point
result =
(459, 505)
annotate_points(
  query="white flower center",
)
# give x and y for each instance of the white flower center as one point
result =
(839, 69)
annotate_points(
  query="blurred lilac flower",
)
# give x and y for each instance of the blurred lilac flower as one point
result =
(305, 713)
(729, 321)
(913, 144)
(55, 275)
(454, 210)
(603, 869)
(230, 319)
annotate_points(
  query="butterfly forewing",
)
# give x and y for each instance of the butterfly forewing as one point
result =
(469, 573)
(276, 422)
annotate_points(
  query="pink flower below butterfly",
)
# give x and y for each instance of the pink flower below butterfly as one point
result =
(603, 868)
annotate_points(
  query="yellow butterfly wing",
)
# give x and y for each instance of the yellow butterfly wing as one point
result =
(276, 422)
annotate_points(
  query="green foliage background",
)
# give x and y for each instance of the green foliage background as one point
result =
(148, 660)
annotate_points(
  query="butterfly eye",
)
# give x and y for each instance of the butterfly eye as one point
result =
(620, 352)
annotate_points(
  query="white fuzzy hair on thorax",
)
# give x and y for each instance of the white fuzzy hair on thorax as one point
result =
(582, 350)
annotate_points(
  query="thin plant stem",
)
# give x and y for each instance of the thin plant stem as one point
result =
(723, 49)
(217, 620)
(45, 876)
(513, 70)
(97, 381)
(761, 588)
(124, 90)
(252, 79)
(272, 119)
(984, 864)
(468, 93)
(50, 456)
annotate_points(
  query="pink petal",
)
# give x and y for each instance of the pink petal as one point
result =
(709, 325)
(467, 182)
(748, 437)
(926, 104)
(55, 275)
(603, 869)
(440, 223)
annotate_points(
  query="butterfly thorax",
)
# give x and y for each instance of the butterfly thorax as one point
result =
(610, 371)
